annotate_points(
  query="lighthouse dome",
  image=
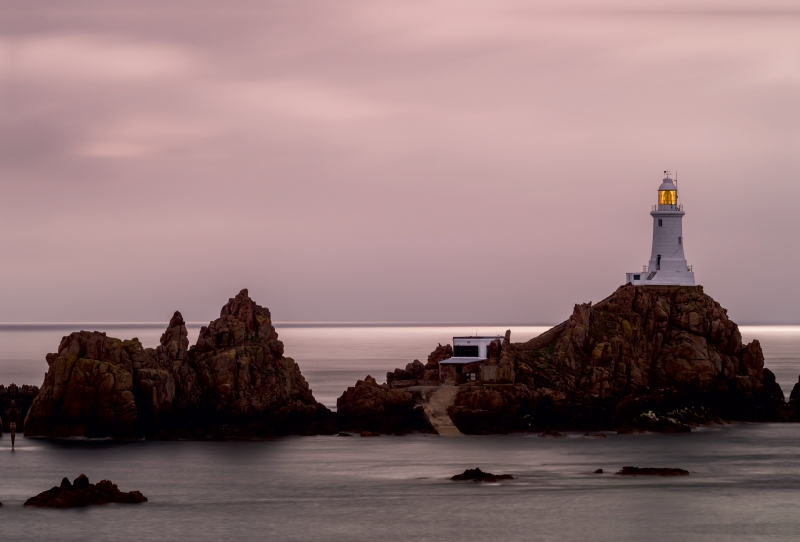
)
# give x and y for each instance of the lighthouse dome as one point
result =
(668, 184)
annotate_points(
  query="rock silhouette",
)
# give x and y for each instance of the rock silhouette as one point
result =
(235, 381)
(82, 493)
(477, 475)
(652, 471)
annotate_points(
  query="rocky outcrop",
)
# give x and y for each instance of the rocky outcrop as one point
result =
(82, 493)
(234, 382)
(14, 404)
(416, 373)
(477, 475)
(655, 356)
(652, 471)
(369, 406)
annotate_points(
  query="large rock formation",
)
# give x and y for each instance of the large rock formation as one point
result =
(661, 357)
(646, 358)
(369, 406)
(234, 381)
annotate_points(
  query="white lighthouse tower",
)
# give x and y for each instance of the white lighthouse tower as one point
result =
(667, 262)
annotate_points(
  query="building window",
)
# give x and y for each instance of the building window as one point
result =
(660, 223)
(658, 262)
(680, 240)
(464, 351)
(637, 277)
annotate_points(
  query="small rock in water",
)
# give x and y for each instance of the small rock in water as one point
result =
(344, 435)
(651, 471)
(477, 475)
(369, 434)
(82, 493)
(554, 434)
(599, 471)
(595, 435)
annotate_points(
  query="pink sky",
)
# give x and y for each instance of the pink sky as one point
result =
(391, 161)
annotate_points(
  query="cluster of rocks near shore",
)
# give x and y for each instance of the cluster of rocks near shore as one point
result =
(645, 358)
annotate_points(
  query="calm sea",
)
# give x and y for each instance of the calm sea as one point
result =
(745, 481)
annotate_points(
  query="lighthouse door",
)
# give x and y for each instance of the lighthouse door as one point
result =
(658, 262)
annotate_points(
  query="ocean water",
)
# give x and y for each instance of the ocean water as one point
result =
(744, 482)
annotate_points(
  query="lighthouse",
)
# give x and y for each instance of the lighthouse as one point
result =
(667, 264)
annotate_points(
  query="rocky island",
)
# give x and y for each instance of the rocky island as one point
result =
(235, 381)
(659, 358)
(646, 358)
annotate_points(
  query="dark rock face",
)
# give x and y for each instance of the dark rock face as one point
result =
(659, 357)
(477, 475)
(651, 471)
(234, 382)
(369, 406)
(14, 404)
(416, 371)
(82, 493)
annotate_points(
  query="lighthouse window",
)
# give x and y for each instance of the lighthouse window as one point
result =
(680, 240)
(658, 262)
(637, 277)
(660, 223)
(667, 197)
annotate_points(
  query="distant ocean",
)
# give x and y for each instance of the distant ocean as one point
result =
(745, 481)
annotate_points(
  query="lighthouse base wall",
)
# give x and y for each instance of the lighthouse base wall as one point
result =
(661, 278)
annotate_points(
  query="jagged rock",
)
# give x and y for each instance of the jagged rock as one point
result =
(477, 475)
(82, 493)
(481, 410)
(671, 351)
(234, 382)
(651, 471)
(369, 406)
(14, 404)
(416, 372)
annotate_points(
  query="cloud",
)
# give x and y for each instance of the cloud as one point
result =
(82, 58)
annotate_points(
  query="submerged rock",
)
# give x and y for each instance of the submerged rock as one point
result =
(477, 475)
(82, 493)
(235, 381)
(652, 471)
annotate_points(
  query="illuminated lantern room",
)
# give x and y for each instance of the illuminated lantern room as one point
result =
(667, 265)
(667, 192)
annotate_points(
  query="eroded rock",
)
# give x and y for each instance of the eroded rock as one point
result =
(82, 493)
(477, 475)
(235, 381)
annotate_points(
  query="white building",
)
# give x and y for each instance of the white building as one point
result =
(667, 262)
(468, 354)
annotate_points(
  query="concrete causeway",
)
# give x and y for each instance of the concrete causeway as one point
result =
(436, 410)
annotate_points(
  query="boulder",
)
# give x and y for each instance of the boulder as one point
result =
(369, 406)
(82, 493)
(477, 475)
(652, 471)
